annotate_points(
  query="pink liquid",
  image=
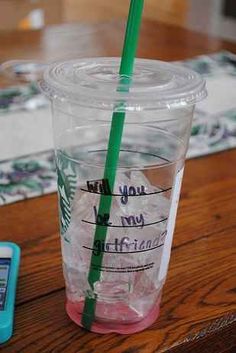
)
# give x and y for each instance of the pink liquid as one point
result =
(101, 325)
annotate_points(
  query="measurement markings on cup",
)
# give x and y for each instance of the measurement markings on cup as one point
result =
(103, 220)
(99, 189)
(126, 245)
(108, 245)
(101, 186)
(124, 269)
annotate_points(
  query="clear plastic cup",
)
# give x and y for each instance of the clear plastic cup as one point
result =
(158, 114)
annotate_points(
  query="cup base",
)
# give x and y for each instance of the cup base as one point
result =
(75, 310)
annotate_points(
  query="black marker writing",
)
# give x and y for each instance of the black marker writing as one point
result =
(132, 220)
(127, 191)
(99, 186)
(103, 219)
(127, 245)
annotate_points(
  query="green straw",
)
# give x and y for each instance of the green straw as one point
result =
(112, 158)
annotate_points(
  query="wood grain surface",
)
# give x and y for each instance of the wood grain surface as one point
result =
(65, 41)
(198, 310)
(167, 11)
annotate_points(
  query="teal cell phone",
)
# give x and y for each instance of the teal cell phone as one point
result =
(9, 268)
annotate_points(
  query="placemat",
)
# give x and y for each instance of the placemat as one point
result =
(23, 177)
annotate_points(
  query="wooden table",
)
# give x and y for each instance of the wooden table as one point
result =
(198, 306)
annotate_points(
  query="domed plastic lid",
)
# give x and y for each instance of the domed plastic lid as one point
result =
(95, 82)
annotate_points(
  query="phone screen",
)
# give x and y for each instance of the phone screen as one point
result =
(5, 263)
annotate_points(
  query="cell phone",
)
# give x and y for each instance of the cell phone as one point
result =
(9, 268)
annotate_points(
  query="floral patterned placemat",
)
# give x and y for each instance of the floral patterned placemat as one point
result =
(214, 128)
(27, 177)
(214, 123)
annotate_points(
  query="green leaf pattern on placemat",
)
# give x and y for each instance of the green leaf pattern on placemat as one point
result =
(66, 178)
(27, 177)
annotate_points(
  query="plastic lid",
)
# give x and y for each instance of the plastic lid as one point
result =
(95, 82)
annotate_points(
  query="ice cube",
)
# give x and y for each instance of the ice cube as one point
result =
(122, 274)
